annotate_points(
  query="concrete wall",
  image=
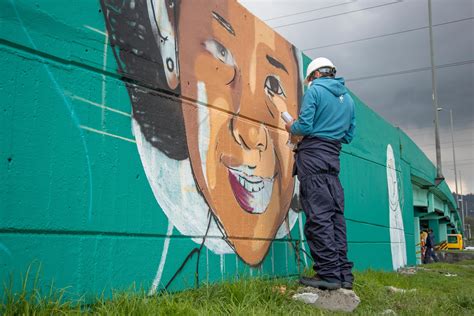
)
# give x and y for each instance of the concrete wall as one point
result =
(143, 137)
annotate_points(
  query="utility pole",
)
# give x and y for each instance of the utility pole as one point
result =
(466, 213)
(454, 158)
(439, 172)
(462, 200)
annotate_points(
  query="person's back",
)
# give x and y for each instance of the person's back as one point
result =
(429, 240)
(326, 120)
(431, 237)
(327, 111)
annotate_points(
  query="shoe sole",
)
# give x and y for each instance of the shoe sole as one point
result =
(346, 287)
(323, 285)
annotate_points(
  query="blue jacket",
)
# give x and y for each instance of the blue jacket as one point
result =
(327, 111)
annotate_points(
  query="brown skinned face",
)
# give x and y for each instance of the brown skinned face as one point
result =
(243, 75)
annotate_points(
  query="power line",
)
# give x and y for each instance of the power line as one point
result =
(339, 14)
(459, 141)
(386, 35)
(458, 144)
(461, 162)
(448, 141)
(403, 72)
(429, 131)
(314, 10)
(427, 148)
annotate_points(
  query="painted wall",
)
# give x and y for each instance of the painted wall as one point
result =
(141, 143)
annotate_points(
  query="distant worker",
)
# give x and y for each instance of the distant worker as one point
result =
(326, 119)
(430, 244)
(423, 237)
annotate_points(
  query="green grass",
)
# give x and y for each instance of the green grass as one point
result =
(436, 294)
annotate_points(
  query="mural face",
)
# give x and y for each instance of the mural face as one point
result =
(223, 152)
(397, 231)
(237, 64)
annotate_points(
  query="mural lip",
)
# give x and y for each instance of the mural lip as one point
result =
(245, 171)
(251, 192)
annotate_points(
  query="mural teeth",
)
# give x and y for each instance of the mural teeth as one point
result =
(242, 181)
(247, 185)
(255, 188)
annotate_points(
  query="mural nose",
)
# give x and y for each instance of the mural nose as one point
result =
(250, 135)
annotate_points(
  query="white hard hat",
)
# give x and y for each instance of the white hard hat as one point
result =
(317, 63)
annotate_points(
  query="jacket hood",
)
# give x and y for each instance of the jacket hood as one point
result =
(334, 85)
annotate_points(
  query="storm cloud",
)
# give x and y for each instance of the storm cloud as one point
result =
(382, 49)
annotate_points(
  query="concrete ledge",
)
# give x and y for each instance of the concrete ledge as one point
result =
(452, 256)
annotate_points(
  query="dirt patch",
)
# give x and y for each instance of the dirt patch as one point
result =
(338, 300)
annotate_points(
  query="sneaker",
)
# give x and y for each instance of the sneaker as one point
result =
(346, 285)
(319, 283)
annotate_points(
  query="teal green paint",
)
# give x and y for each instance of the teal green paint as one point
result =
(438, 204)
(431, 202)
(443, 229)
(74, 195)
(420, 196)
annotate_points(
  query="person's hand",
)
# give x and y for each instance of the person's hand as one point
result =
(288, 126)
(295, 139)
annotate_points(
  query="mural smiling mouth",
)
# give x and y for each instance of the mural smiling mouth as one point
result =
(252, 192)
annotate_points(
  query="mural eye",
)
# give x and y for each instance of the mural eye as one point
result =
(273, 86)
(220, 52)
(223, 52)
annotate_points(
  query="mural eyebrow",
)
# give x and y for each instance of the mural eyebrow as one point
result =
(223, 22)
(276, 63)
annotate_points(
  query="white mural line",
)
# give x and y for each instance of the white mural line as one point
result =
(161, 265)
(104, 67)
(90, 129)
(104, 78)
(95, 30)
(222, 267)
(76, 97)
(300, 220)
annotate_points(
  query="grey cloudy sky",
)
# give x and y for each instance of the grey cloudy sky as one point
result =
(382, 49)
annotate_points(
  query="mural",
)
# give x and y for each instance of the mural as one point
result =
(201, 188)
(207, 83)
(397, 231)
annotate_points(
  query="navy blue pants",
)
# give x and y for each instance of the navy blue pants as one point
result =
(322, 199)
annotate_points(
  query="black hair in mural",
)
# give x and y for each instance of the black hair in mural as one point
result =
(141, 64)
